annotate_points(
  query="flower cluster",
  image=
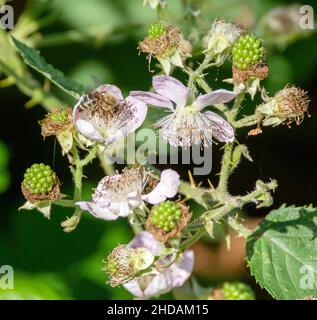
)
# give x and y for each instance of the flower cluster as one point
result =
(155, 204)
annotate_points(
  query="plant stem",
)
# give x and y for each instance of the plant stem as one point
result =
(199, 72)
(225, 169)
(189, 242)
(247, 121)
(65, 203)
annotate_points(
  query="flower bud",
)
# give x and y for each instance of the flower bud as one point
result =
(221, 38)
(287, 106)
(125, 264)
(163, 42)
(40, 183)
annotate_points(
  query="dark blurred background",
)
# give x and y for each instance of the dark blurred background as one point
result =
(50, 264)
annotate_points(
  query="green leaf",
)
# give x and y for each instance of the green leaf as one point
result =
(282, 253)
(33, 58)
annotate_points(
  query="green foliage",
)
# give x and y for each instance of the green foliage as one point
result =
(36, 287)
(282, 252)
(33, 58)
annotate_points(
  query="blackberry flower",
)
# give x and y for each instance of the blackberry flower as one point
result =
(116, 195)
(159, 280)
(105, 116)
(187, 124)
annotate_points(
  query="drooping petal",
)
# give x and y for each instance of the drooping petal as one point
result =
(97, 211)
(164, 281)
(221, 129)
(146, 240)
(171, 89)
(114, 90)
(215, 97)
(88, 130)
(151, 98)
(166, 188)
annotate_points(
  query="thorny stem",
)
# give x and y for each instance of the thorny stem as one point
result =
(225, 168)
(198, 73)
(77, 172)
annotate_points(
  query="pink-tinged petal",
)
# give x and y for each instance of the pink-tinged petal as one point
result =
(171, 89)
(215, 97)
(114, 90)
(139, 114)
(183, 270)
(97, 211)
(152, 99)
(88, 130)
(166, 188)
(164, 281)
(146, 240)
(174, 276)
(221, 129)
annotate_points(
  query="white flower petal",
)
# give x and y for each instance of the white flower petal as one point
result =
(215, 97)
(221, 129)
(112, 89)
(88, 130)
(151, 98)
(97, 211)
(166, 188)
(134, 199)
(146, 240)
(170, 179)
(171, 89)
(174, 276)
(139, 114)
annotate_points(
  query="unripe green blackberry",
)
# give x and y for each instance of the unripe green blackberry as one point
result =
(59, 116)
(165, 215)
(247, 51)
(237, 291)
(156, 30)
(39, 179)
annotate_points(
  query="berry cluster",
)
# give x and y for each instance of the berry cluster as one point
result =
(59, 116)
(39, 179)
(166, 215)
(156, 30)
(247, 50)
(237, 291)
